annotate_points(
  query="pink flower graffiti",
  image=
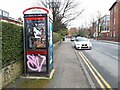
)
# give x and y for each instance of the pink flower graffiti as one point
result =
(35, 63)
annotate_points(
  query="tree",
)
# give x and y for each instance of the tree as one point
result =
(92, 29)
(63, 12)
(83, 31)
(72, 31)
(98, 25)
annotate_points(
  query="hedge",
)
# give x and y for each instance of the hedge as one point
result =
(56, 37)
(0, 45)
(12, 43)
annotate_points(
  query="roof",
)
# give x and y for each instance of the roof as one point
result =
(113, 5)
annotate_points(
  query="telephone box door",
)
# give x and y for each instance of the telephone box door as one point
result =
(38, 45)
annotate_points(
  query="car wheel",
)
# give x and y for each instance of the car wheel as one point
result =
(76, 48)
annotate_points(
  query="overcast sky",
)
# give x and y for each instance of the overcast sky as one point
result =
(16, 7)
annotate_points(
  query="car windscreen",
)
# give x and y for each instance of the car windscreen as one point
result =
(81, 39)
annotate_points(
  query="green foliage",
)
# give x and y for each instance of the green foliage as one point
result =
(63, 32)
(81, 33)
(12, 43)
(0, 30)
(56, 37)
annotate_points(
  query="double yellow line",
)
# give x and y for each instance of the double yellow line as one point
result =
(95, 73)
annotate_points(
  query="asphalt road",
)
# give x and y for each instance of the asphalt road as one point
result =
(104, 57)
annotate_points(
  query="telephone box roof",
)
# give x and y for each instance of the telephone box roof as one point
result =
(44, 9)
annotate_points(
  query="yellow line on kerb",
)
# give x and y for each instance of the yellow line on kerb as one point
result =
(87, 62)
(99, 82)
(107, 85)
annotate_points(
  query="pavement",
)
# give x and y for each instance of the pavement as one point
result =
(112, 42)
(68, 73)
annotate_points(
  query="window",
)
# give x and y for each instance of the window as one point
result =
(107, 34)
(108, 28)
(105, 28)
(111, 34)
(36, 32)
(114, 20)
(108, 23)
(6, 14)
(108, 18)
(115, 8)
(114, 34)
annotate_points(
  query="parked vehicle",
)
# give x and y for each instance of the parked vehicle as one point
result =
(72, 38)
(82, 43)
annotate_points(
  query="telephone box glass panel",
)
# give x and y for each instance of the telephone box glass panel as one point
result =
(36, 32)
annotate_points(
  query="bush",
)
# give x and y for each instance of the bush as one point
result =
(56, 37)
(59, 35)
(12, 43)
(62, 33)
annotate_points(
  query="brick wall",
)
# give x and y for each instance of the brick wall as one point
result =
(115, 27)
(11, 72)
(119, 21)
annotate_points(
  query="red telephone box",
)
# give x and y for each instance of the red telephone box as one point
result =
(38, 43)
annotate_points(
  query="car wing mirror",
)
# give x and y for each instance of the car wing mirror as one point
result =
(76, 40)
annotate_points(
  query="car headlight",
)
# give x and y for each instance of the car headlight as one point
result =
(90, 44)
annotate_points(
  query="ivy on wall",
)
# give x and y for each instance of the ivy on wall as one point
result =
(12, 43)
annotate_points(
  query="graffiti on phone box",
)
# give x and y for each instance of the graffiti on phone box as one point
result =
(35, 63)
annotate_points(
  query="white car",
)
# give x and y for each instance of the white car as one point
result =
(82, 43)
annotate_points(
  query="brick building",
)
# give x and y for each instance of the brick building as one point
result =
(72, 31)
(115, 21)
